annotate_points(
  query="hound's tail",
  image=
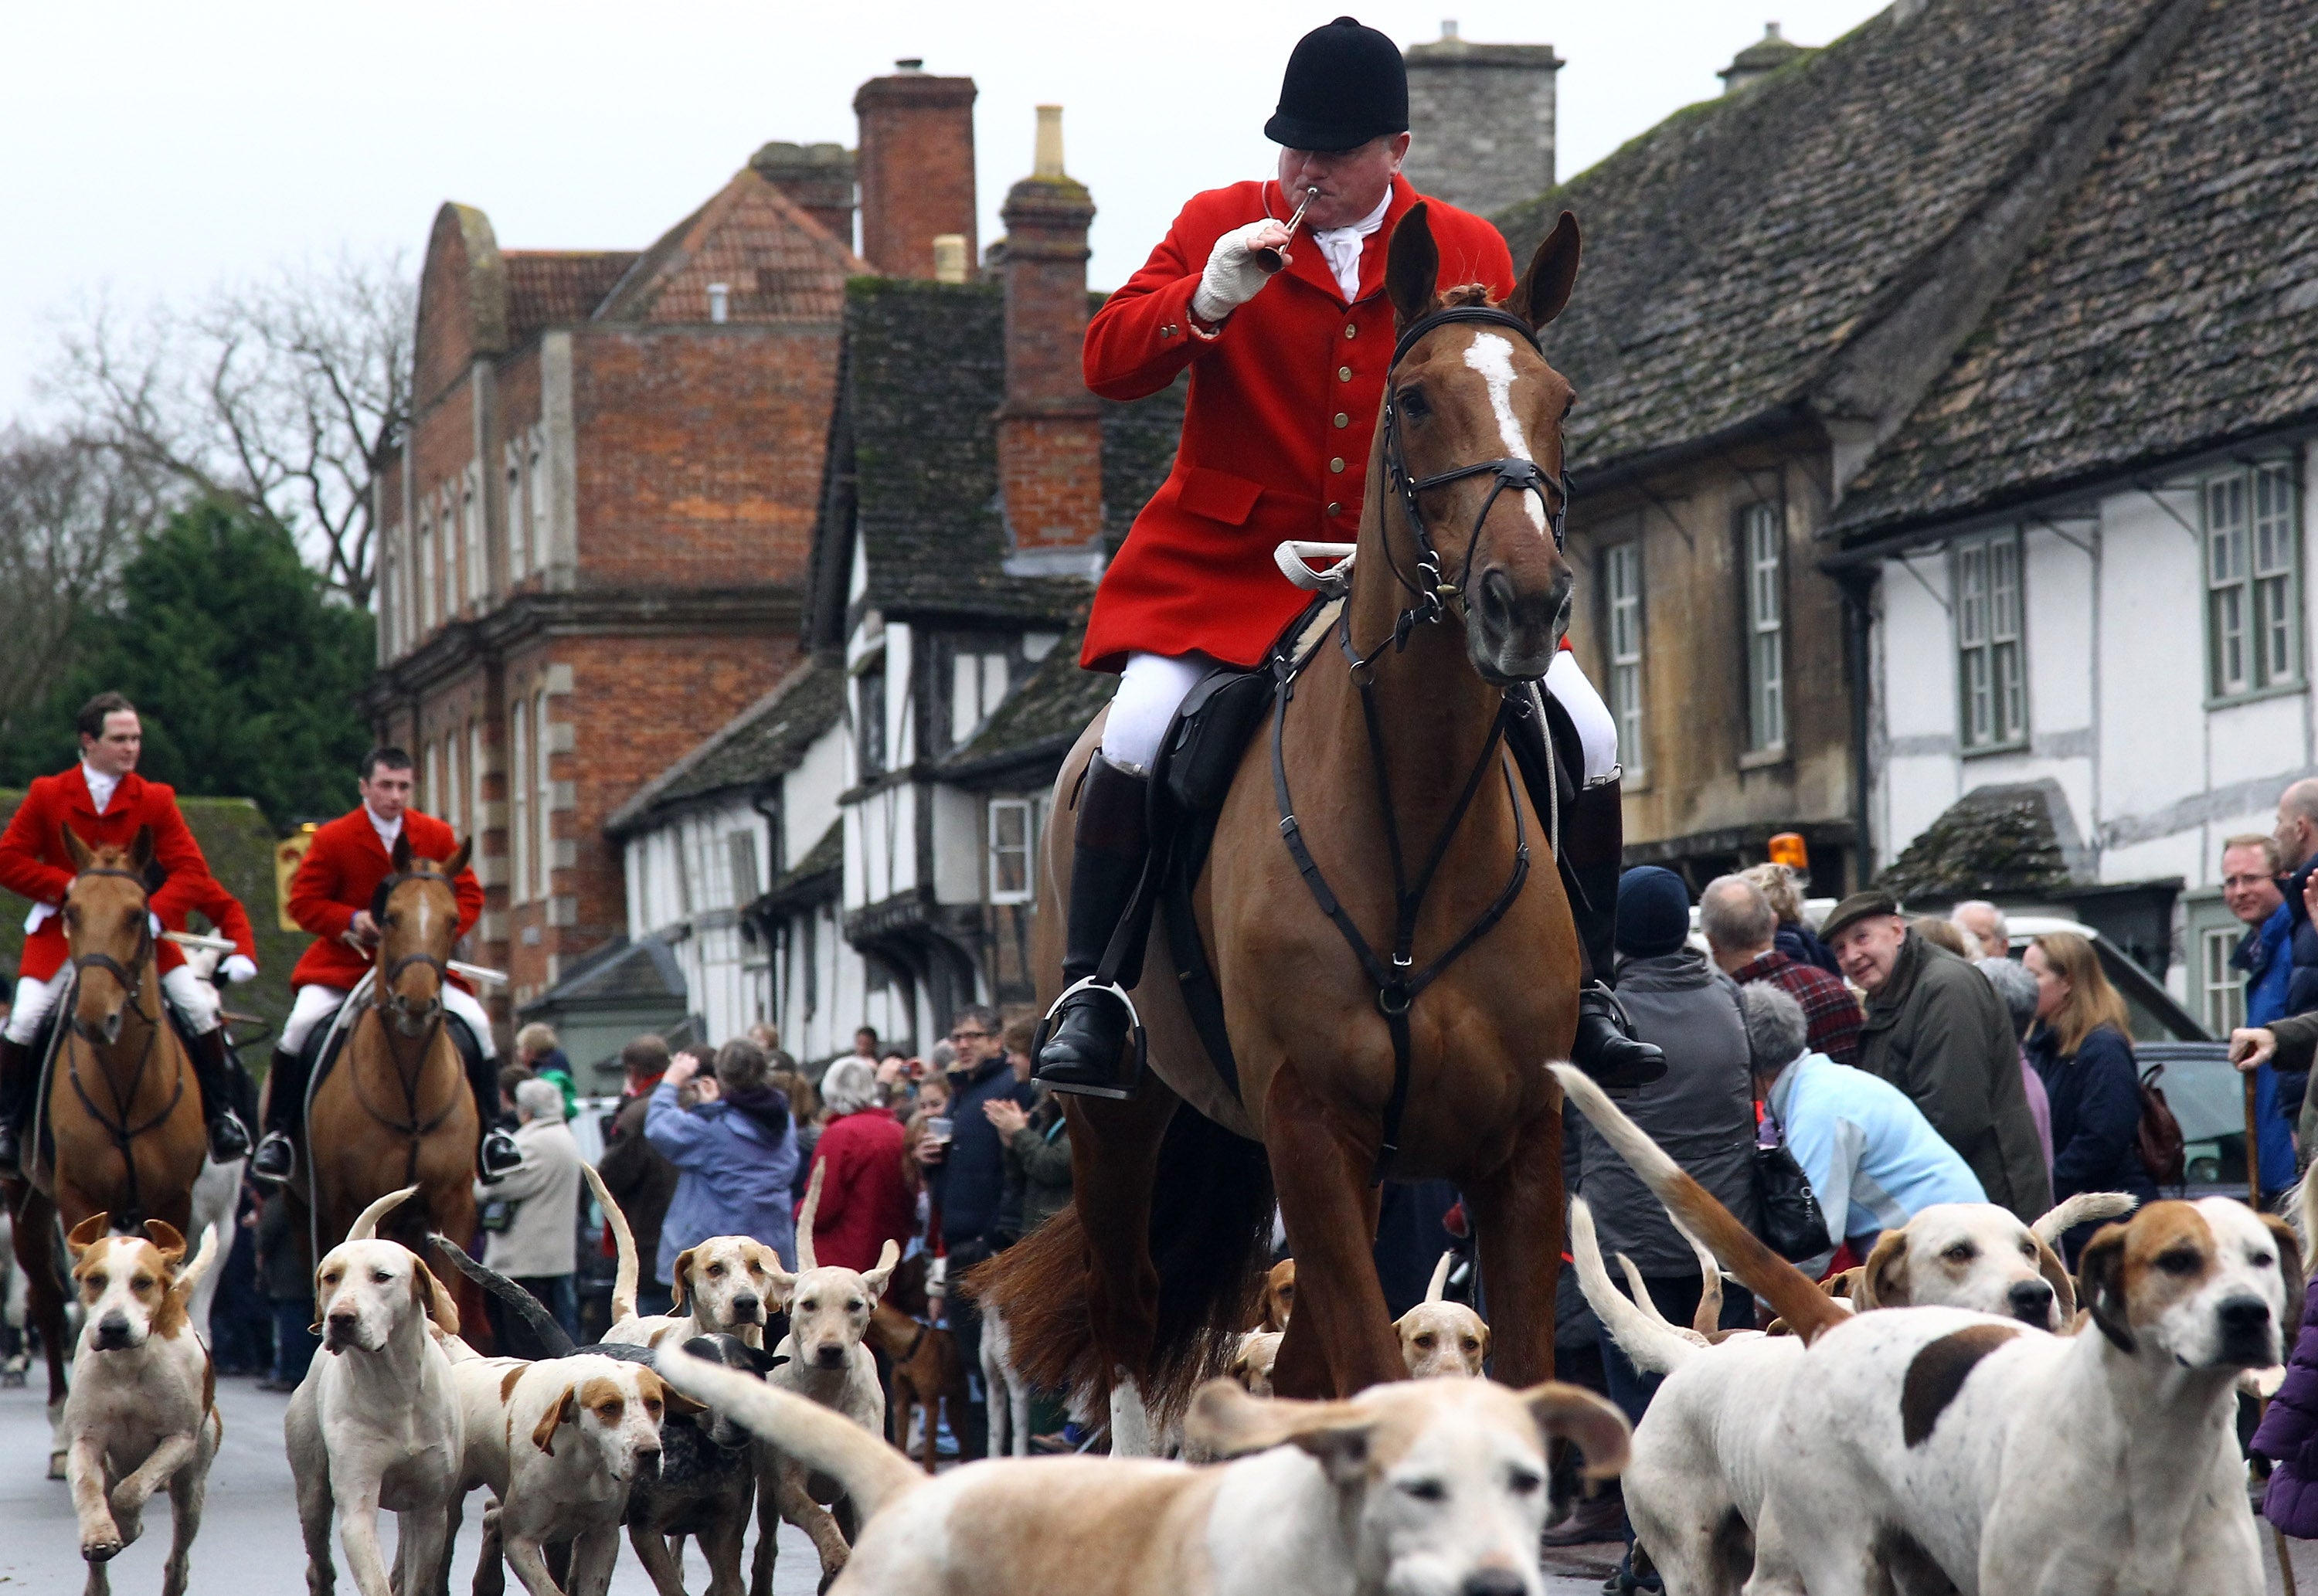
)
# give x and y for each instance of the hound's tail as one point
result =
(1433, 1292)
(365, 1224)
(1789, 1291)
(806, 1214)
(204, 1256)
(2057, 1222)
(868, 1471)
(547, 1336)
(623, 1243)
(1655, 1346)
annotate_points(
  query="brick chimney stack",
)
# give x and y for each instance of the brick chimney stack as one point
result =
(1480, 119)
(817, 177)
(917, 167)
(1050, 427)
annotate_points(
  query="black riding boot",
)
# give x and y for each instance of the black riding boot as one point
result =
(1086, 1048)
(497, 1152)
(219, 1073)
(1592, 845)
(285, 1107)
(15, 1096)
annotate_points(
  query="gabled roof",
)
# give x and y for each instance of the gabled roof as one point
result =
(914, 467)
(557, 287)
(778, 263)
(1040, 719)
(765, 740)
(1737, 250)
(2013, 840)
(817, 877)
(2170, 306)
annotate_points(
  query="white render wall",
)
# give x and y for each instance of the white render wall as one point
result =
(2114, 597)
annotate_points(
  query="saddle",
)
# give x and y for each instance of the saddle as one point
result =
(48, 1046)
(325, 1043)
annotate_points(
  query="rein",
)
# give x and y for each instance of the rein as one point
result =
(1398, 982)
(387, 1005)
(116, 1124)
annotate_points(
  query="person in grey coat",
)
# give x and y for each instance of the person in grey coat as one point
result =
(537, 1242)
(1937, 1031)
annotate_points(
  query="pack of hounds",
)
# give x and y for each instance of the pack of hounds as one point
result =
(1958, 1414)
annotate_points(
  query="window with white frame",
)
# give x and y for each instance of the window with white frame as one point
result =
(2221, 990)
(1622, 585)
(425, 576)
(869, 718)
(1762, 548)
(519, 801)
(453, 801)
(1010, 834)
(542, 745)
(542, 494)
(2253, 627)
(741, 864)
(432, 797)
(514, 523)
(471, 514)
(475, 786)
(1992, 661)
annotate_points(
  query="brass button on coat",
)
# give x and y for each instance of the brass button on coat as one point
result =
(1342, 419)
(1335, 509)
(1343, 374)
(1351, 332)
(1336, 464)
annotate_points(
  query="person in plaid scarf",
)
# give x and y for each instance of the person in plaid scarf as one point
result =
(1740, 930)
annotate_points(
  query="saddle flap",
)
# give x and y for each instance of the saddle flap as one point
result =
(1210, 734)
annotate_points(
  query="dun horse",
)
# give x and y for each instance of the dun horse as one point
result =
(124, 1113)
(395, 1110)
(1449, 609)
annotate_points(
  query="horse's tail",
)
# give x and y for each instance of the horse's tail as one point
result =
(623, 1243)
(1793, 1296)
(1210, 1236)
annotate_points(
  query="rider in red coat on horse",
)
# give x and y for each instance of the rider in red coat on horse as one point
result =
(330, 897)
(1287, 372)
(106, 803)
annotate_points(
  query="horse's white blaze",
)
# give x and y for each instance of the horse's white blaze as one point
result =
(1492, 355)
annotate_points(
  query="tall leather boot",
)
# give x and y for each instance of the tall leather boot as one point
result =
(496, 1153)
(219, 1075)
(285, 1106)
(1087, 1032)
(15, 1098)
(1592, 849)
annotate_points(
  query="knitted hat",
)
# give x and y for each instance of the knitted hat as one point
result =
(1345, 84)
(1653, 912)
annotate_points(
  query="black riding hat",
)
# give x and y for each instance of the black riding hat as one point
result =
(1345, 84)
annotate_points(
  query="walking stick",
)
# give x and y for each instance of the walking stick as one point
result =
(2253, 1159)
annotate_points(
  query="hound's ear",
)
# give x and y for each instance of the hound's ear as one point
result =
(76, 849)
(1226, 1421)
(1883, 1283)
(2056, 1275)
(2289, 1265)
(458, 860)
(87, 1234)
(401, 855)
(140, 850)
(433, 1301)
(784, 1282)
(1412, 272)
(678, 1273)
(166, 1240)
(676, 1401)
(543, 1434)
(1488, 1341)
(1595, 1423)
(1544, 289)
(2100, 1285)
(887, 1257)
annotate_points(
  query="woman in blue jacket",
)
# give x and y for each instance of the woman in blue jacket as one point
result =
(2082, 1051)
(735, 1154)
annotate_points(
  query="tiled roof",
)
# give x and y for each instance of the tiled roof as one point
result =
(2171, 305)
(924, 376)
(767, 739)
(558, 287)
(1043, 716)
(778, 263)
(1734, 249)
(622, 970)
(1996, 841)
(813, 877)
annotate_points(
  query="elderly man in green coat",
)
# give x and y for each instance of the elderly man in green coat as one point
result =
(1937, 1031)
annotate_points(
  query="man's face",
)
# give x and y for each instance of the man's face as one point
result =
(2294, 837)
(387, 791)
(1351, 180)
(1980, 925)
(974, 1043)
(1868, 948)
(2247, 885)
(115, 753)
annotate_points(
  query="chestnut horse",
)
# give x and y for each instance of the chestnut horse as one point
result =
(1446, 621)
(395, 1110)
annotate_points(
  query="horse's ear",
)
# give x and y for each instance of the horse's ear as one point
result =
(140, 851)
(87, 1234)
(1412, 272)
(458, 861)
(76, 849)
(401, 855)
(1544, 289)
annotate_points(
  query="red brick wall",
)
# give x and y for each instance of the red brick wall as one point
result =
(699, 452)
(916, 167)
(447, 309)
(1050, 472)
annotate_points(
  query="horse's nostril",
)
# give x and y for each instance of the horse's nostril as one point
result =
(1497, 598)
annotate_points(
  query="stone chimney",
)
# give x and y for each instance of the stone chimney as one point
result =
(917, 167)
(817, 177)
(1050, 427)
(1480, 119)
(1758, 60)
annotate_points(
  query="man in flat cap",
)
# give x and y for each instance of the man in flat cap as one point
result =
(1288, 373)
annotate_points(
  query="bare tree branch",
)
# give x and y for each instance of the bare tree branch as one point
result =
(285, 395)
(71, 511)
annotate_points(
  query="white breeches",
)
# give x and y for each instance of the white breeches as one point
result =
(1153, 685)
(195, 1000)
(314, 1005)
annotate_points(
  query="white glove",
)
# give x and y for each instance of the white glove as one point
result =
(239, 967)
(1232, 277)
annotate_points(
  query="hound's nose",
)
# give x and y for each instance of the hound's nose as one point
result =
(830, 1356)
(749, 1308)
(2032, 1301)
(648, 1460)
(112, 1332)
(2244, 1316)
(1494, 1581)
(344, 1322)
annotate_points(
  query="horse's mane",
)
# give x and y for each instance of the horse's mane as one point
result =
(1466, 293)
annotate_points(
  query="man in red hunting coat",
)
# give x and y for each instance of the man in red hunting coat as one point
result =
(330, 897)
(1287, 376)
(105, 803)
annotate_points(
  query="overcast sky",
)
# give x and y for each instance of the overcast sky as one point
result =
(150, 151)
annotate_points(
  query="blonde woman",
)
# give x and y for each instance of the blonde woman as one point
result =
(2081, 1050)
(1795, 938)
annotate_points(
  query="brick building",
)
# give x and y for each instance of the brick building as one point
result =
(598, 528)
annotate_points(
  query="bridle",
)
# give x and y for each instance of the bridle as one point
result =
(133, 984)
(383, 997)
(1433, 592)
(116, 1124)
